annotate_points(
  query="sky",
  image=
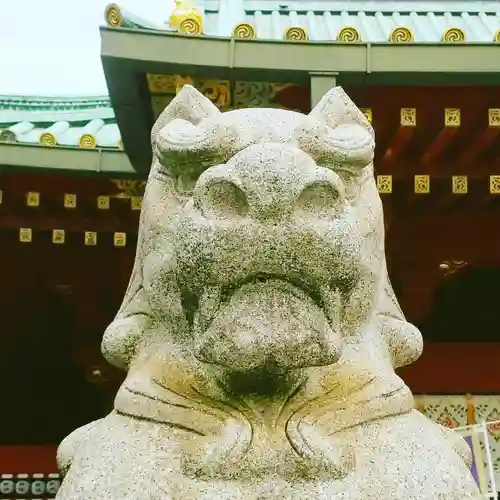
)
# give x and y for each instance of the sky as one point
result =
(52, 47)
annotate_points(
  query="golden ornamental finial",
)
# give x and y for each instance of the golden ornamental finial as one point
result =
(186, 19)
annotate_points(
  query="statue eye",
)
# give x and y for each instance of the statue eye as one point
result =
(320, 198)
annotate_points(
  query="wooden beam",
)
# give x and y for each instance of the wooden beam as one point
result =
(439, 145)
(485, 138)
(407, 125)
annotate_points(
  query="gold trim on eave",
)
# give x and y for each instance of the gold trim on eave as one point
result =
(494, 117)
(48, 140)
(452, 117)
(295, 34)
(495, 184)
(401, 34)
(459, 184)
(87, 141)
(496, 38)
(244, 30)
(25, 235)
(349, 34)
(384, 184)
(454, 35)
(422, 184)
(113, 16)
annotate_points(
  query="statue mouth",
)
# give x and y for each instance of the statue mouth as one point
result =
(268, 320)
(298, 283)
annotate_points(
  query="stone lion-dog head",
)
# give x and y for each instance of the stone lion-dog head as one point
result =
(260, 282)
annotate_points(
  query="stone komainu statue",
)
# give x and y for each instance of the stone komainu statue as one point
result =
(259, 330)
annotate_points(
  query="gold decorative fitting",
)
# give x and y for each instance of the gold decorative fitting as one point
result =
(70, 200)
(135, 202)
(368, 114)
(296, 34)
(88, 141)
(494, 117)
(113, 16)
(103, 202)
(47, 139)
(349, 34)
(191, 26)
(384, 184)
(25, 235)
(244, 30)
(495, 184)
(422, 184)
(90, 238)
(120, 239)
(454, 35)
(459, 184)
(408, 117)
(33, 199)
(452, 117)
(185, 19)
(58, 236)
(496, 38)
(401, 34)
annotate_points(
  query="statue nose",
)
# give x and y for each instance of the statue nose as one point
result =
(269, 192)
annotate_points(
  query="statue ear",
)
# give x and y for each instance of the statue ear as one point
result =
(336, 108)
(404, 340)
(190, 105)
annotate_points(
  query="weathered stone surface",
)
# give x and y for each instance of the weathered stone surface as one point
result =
(259, 330)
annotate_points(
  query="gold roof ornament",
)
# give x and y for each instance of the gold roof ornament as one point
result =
(454, 35)
(296, 34)
(113, 16)
(87, 141)
(496, 38)
(186, 18)
(244, 30)
(48, 139)
(349, 34)
(401, 34)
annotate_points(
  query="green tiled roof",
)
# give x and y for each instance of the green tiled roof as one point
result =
(85, 122)
(373, 21)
